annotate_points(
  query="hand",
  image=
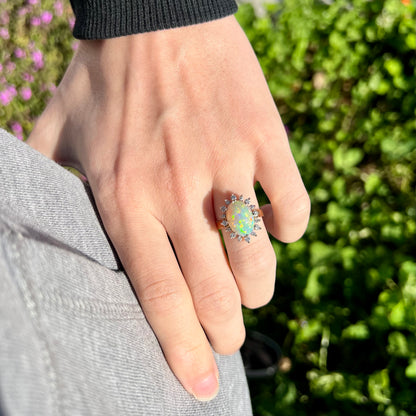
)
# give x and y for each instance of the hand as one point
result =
(166, 125)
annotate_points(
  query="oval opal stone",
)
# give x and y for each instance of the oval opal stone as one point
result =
(240, 218)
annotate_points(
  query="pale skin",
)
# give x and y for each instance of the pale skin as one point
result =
(165, 125)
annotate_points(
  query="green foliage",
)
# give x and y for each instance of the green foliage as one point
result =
(343, 76)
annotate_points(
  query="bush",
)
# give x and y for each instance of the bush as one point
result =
(342, 73)
(343, 76)
(35, 48)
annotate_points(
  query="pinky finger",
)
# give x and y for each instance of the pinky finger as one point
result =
(288, 215)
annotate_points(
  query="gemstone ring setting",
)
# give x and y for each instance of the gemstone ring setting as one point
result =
(240, 218)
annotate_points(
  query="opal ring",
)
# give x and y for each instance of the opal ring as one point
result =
(240, 218)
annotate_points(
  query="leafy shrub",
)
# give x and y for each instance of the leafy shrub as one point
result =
(343, 75)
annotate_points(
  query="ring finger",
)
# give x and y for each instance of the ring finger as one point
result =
(207, 272)
(253, 264)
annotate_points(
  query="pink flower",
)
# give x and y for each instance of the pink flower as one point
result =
(26, 93)
(59, 8)
(27, 77)
(4, 33)
(1, 67)
(5, 97)
(17, 129)
(33, 2)
(52, 87)
(46, 17)
(4, 18)
(19, 53)
(10, 67)
(35, 21)
(71, 21)
(23, 11)
(11, 89)
(37, 58)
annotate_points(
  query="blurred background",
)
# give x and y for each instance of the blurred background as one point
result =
(342, 73)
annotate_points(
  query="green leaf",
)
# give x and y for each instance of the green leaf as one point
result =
(324, 384)
(379, 387)
(410, 371)
(372, 183)
(397, 345)
(411, 40)
(309, 330)
(321, 252)
(356, 331)
(349, 256)
(345, 159)
(314, 288)
(394, 67)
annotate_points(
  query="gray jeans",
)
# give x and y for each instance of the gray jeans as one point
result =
(73, 338)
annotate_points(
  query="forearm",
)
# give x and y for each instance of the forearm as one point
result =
(101, 19)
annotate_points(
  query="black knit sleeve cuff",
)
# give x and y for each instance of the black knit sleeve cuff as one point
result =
(102, 19)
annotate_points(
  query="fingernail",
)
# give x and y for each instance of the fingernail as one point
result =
(206, 389)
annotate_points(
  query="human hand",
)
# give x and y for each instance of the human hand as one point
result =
(165, 126)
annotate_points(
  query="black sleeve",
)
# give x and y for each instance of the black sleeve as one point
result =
(101, 19)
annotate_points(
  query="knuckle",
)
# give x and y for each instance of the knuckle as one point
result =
(293, 217)
(255, 261)
(161, 296)
(300, 207)
(232, 342)
(218, 305)
(124, 182)
(258, 129)
(113, 193)
(261, 266)
(187, 351)
(260, 300)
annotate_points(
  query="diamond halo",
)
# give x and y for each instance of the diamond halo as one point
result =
(240, 218)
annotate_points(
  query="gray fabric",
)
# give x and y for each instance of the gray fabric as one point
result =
(74, 340)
